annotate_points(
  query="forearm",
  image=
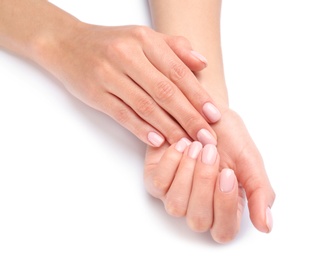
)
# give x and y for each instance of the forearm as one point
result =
(199, 22)
(26, 25)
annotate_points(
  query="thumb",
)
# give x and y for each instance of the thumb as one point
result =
(260, 194)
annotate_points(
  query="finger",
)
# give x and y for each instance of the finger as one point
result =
(260, 194)
(226, 215)
(126, 117)
(161, 167)
(200, 206)
(148, 110)
(182, 48)
(172, 100)
(177, 197)
(175, 70)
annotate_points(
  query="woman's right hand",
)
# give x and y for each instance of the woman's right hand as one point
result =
(141, 78)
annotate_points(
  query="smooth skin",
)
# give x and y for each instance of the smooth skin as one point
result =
(187, 179)
(199, 22)
(192, 192)
(166, 93)
(141, 78)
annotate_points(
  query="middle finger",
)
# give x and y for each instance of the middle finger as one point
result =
(200, 207)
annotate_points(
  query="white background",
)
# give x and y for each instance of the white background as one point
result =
(71, 178)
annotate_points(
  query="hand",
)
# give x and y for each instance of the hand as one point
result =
(186, 179)
(238, 152)
(186, 186)
(141, 78)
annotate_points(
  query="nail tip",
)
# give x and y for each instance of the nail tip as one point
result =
(269, 219)
(155, 139)
(211, 112)
(181, 146)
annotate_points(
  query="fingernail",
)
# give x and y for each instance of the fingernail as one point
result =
(269, 219)
(186, 140)
(205, 137)
(155, 139)
(209, 154)
(211, 112)
(227, 180)
(181, 145)
(199, 57)
(194, 149)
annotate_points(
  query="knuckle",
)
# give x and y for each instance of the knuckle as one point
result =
(182, 41)
(198, 223)
(164, 91)
(192, 122)
(199, 95)
(141, 32)
(175, 208)
(159, 186)
(121, 115)
(145, 107)
(175, 135)
(117, 48)
(178, 71)
(224, 237)
(92, 95)
(206, 177)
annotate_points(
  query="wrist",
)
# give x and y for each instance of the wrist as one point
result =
(45, 47)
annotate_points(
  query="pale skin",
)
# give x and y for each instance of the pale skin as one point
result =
(168, 92)
(155, 95)
(188, 181)
(182, 191)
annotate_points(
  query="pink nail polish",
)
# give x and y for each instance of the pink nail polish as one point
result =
(211, 112)
(269, 219)
(155, 139)
(199, 57)
(181, 146)
(194, 149)
(205, 137)
(227, 180)
(209, 154)
(186, 140)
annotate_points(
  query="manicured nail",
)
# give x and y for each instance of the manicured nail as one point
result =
(186, 140)
(211, 112)
(194, 149)
(181, 146)
(227, 180)
(155, 139)
(269, 219)
(209, 154)
(205, 137)
(199, 57)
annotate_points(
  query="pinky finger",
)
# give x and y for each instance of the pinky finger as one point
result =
(126, 117)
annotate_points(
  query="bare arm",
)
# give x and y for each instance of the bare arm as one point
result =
(27, 24)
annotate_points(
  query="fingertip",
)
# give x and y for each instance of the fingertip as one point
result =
(205, 137)
(155, 139)
(186, 140)
(200, 57)
(262, 219)
(269, 219)
(211, 112)
(181, 145)
(209, 154)
(227, 180)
